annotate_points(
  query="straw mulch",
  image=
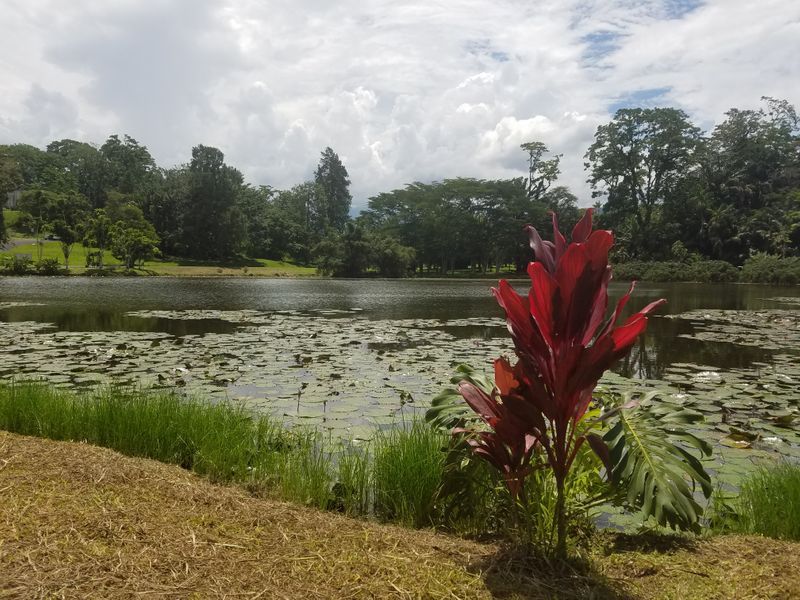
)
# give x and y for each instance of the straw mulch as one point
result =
(78, 521)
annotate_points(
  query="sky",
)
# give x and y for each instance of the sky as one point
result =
(403, 91)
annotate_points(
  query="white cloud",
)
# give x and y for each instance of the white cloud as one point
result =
(403, 91)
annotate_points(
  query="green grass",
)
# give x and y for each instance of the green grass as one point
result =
(52, 249)
(395, 478)
(171, 266)
(768, 503)
(407, 472)
(221, 441)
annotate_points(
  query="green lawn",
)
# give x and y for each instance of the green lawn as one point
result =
(260, 267)
(52, 249)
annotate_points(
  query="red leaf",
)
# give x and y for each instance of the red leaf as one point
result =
(583, 228)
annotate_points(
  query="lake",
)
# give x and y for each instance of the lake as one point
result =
(352, 355)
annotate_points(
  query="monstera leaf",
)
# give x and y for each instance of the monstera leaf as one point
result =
(653, 465)
(448, 409)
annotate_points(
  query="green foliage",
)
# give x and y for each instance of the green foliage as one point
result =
(132, 238)
(331, 176)
(128, 163)
(345, 254)
(541, 172)
(702, 271)
(651, 463)
(212, 224)
(48, 266)
(768, 503)
(766, 268)
(16, 265)
(459, 223)
(390, 257)
(87, 165)
(637, 163)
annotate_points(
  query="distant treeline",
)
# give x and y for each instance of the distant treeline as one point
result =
(668, 190)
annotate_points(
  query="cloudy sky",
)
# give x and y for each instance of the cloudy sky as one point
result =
(402, 90)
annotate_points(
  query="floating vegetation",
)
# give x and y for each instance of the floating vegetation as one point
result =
(348, 374)
(772, 329)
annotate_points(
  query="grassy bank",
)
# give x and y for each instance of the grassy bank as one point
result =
(81, 521)
(394, 478)
(255, 267)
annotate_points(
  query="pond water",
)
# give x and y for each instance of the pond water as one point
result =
(352, 355)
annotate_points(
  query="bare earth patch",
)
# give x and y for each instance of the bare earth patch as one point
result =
(82, 521)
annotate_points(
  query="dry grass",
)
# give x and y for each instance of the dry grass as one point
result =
(82, 521)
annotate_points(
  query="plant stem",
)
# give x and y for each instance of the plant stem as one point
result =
(561, 520)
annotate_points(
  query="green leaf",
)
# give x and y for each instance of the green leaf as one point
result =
(448, 409)
(652, 463)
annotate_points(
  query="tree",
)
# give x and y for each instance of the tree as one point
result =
(98, 233)
(212, 224)
(35, 205)
(345, 254)
(67, 213)
(391, 258)
(40, 170)
(129, 163)
(750, 167)
(164, 200)
(331, 175)
(133, 243)
(541, 172)
(260, 216)
(10, 180)
(637, 162)
(87, 165)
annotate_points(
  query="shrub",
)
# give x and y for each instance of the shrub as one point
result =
(49, 266)
(17, 264)
(768, 268)
(701, 271)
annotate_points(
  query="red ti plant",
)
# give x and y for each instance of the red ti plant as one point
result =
(564, 342)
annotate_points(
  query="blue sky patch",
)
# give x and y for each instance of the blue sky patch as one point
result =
(649, 98)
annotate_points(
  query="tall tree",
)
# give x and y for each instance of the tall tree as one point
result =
(637, 162)
(542, 172)
(212, 224)
(331, 175)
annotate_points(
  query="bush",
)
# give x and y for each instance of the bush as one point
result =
(701, 271)
(49, 266)
(768, 268)
(16, 265)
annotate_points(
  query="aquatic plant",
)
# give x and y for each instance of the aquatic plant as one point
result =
(536, 412)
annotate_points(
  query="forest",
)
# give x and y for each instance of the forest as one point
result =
(670, 192)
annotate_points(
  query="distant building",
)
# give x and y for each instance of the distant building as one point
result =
(12, 198)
